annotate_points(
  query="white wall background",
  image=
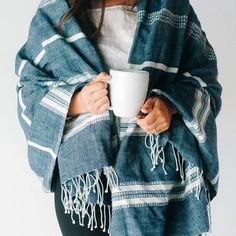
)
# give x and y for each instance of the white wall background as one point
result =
(25, 209)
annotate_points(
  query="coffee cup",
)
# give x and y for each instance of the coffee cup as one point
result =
(128, 91)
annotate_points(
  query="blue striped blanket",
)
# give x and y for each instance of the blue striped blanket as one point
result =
(160, 184)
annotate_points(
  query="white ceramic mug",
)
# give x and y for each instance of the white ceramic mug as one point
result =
(128, 91)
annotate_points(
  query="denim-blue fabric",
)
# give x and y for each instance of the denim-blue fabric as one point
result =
(161, 184)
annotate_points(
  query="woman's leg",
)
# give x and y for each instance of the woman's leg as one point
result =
(64, 220)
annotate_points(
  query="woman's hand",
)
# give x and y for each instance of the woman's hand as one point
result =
(159, 117)
(92, 97)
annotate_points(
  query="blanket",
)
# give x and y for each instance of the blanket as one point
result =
(160, 184)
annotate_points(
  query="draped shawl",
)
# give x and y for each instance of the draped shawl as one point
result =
(160, 183)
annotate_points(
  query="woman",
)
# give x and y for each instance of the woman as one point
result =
(63, 102)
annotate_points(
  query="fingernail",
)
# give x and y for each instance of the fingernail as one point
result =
(145, 109)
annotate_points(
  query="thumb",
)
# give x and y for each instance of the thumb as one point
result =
(148, 105)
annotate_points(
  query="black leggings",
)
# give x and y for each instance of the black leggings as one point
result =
(64, 220)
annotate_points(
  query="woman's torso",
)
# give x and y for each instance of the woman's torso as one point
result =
(116, 39)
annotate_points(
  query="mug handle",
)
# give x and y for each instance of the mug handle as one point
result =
(109, 108)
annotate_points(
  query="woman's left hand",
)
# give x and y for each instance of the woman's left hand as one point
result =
(159, 117)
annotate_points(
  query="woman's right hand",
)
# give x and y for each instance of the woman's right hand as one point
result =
(92, 97)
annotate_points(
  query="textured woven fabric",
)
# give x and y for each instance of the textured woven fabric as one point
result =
(161, 184)
(116, 36)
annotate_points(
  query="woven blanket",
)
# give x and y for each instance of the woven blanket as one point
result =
(160, 184)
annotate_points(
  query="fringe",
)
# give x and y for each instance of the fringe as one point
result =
(84, 184)
(78, 204)
(157, 153)
(179, 162)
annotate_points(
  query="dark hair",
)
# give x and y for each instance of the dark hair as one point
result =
(79, 10)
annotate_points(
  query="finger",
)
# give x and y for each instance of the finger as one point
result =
(150, 119)
(157, 127)
(104, 107)
(161, 129)
(95, 96)
(154, 131)
(102, 76)
(148, 105)
(100, 103)
(160, 104)
(151, 128)
(93, 87)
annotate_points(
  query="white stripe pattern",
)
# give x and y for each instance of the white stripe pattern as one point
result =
(62, 94)
(215, 180)
(196, 33)
(74, 126)
(192, 171)
(129, 127)
(45, 3)
(23, 107)
(146, 187)
(39, 57)
(81, 78)
(42, 148)
(201, 111)
(21, 67)
(165, 16)
(52, 39)
(57, 36)
(157, 199)
(141, 193)
(55, 84)
(75, 37)
(58, 99)
(179, 22)
(55, 105)
(131, 131)
(153, 64)
(154, 186)
(201, 82)
(19, 85)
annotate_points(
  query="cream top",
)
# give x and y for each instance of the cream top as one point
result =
(116, 34)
